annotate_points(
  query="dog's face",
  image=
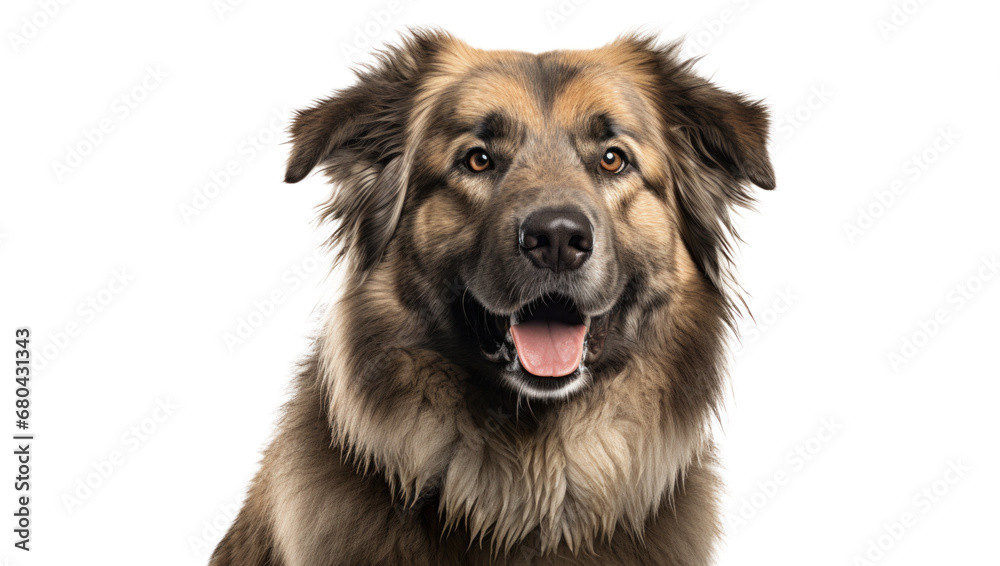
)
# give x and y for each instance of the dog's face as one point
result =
(557, 198)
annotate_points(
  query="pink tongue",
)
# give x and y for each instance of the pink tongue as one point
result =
(548, 348)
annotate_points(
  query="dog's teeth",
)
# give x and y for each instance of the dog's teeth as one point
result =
(514, 319)
(586, 321)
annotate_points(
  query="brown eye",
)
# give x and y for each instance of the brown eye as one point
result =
(479, 161)
(613, 160)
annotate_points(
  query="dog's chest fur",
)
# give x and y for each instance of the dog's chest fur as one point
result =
(328, 513)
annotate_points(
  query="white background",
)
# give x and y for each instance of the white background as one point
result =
(854, 103)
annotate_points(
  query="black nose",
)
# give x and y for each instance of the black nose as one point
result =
(560, 239)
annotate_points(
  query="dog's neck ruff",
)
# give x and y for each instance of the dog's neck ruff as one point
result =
(603, 460)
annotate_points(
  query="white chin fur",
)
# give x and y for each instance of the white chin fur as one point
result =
(570, 385)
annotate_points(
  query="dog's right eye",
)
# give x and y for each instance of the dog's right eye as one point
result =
(478, 160)
(613, 160)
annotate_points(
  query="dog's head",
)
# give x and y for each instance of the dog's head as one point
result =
(536, 208)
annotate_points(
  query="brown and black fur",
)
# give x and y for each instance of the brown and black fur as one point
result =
(403, 443)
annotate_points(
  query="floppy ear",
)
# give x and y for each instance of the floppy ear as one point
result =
(358, 136)
(721, 143)
(730, 133)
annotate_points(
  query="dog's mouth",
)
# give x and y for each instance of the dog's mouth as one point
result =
(549, 338)
(543, 348)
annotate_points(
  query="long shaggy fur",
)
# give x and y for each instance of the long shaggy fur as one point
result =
(401, 445)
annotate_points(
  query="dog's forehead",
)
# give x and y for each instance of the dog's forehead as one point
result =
(567, 89)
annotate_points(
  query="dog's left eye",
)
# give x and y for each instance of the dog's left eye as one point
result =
(613, 160)
(478, 160)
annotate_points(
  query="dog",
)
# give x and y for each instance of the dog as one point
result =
(527, 354)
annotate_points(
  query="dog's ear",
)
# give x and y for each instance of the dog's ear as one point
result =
(358, 136)
(719, 143)
(730, 132)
